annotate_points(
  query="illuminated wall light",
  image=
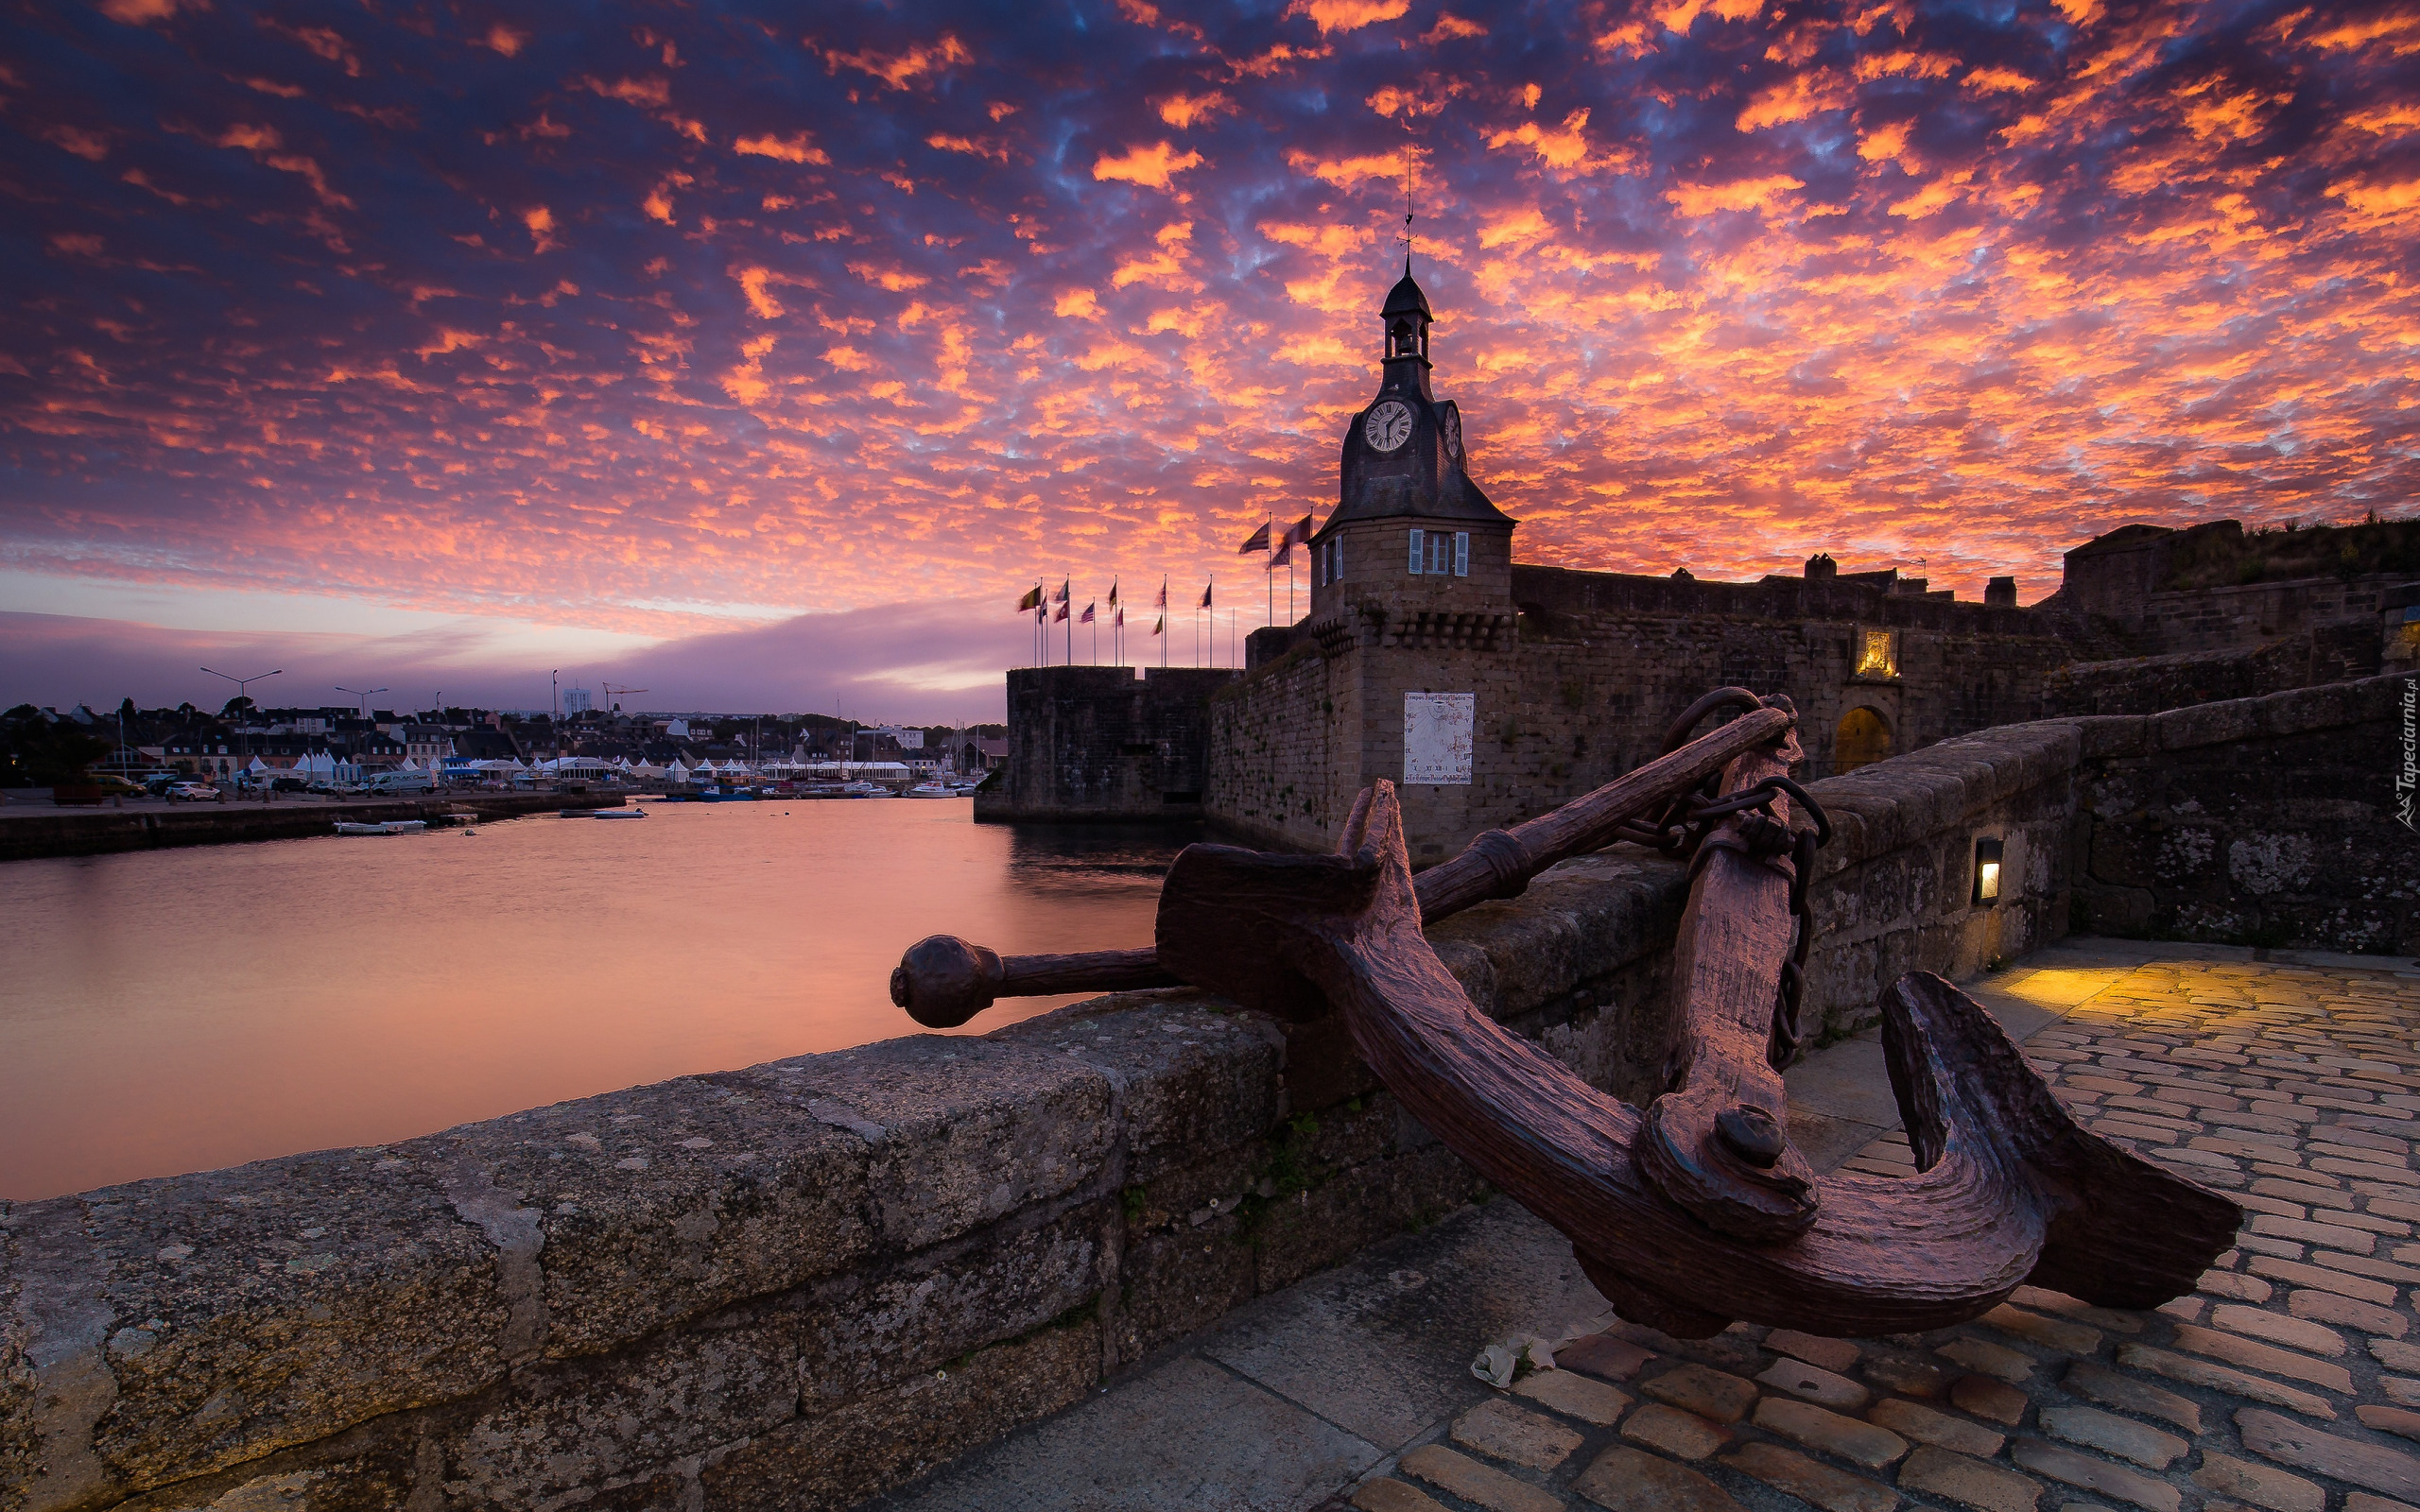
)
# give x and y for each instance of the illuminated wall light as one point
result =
(1987, 874)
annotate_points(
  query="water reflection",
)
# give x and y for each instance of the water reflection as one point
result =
(187, 1009)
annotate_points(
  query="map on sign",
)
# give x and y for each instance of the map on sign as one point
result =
(1437, 737)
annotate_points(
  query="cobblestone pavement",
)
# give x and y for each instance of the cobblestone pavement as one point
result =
(2285, 1383)
(2290, 1381)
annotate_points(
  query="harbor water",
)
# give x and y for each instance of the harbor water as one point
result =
(182, 1010)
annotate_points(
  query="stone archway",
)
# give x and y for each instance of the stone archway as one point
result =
(1862, 739)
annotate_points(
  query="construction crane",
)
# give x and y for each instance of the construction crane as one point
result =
(612, 694)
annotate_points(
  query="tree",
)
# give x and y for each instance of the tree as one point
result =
(35, 752)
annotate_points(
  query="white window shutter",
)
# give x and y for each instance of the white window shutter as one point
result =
(1336, 568)
(1415, 554)
(1462, 554)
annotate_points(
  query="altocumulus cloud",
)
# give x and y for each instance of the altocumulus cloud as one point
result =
(830, 309)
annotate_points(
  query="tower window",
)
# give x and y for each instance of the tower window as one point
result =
(1332, 561)
(1437, 554)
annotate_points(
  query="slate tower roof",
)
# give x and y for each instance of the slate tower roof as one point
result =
(1404, 454)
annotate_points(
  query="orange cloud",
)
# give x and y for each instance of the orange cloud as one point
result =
(793, 148)
(899, 70)
(1348, 15)
(1740, 194)
(1153, 166)
(1794, 99)
(1185, 111)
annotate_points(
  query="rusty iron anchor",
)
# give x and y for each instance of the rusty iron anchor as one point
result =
(1698, 1210)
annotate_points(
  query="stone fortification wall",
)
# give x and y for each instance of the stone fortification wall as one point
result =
(1601, 664)
(1101, 743)
(797, 1285)
(2261, 821)
(2242, 617)
(2335, 651)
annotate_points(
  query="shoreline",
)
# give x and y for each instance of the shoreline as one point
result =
(28, 832)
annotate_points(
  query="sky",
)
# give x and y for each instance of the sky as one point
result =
(761, 355)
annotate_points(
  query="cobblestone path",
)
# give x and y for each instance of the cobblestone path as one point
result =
(2290, 1381)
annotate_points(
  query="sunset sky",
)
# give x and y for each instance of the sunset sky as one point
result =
(761, 355)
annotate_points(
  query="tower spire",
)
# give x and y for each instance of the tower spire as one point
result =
(1407, 242)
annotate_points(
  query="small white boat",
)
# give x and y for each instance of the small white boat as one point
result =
(621, 813)
(932, 790)
(390, 827)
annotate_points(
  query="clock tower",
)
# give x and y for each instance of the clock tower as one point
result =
(1411, 534)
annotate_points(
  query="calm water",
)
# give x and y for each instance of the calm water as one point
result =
(183, 1010)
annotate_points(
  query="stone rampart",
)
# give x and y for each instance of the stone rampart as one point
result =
(1102, 743)
(800, 1284)
(2260, 821)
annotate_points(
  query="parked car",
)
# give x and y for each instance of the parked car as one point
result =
(194, 793)
(287, 785)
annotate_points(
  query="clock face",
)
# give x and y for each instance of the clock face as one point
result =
(1388, 425)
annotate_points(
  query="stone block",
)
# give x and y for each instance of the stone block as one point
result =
(2261, 1486)
(1194, 1074)
(1816, 1385)
(1830, 1432)
(1987, 1398)
(1926, 1426)
(2112, 1434)
(1574, 1396)
(1832, 1355)
(564, 1426)
(1710, 1394)
(868, 1327)
(2373, 1467)
(237, 1313)
(1473, 1482)
(2104, 737)
(1627, 1479)
(1606, 1356)
(2100, 1475)
(1931, 1472)
(2201, 725)
(1502, 1431)
(837, 1459)
(2242, 1351)
(1816, 1484)
(2095, 1383)
(1680, 1435)
(1394, 1496)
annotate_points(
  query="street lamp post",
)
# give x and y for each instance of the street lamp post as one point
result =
(242, 691)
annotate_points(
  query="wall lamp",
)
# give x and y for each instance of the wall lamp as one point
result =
(1987, 874)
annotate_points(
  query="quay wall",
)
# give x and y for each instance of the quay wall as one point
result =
(81, 832)
(1102, 743)
(799, 1285)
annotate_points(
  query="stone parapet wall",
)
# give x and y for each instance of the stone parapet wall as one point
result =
(2243, 616)
(2335, 651)
(800, 1284)
(2261, 821)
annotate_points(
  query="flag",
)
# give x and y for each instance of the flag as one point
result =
(1259, 541)
(1161, 625)
(1060, 615)
(1164, 593)
(1061, 597)
(1120, 622)
(1112, 593)
(1032, 598)
(1087, 617)
(1205, 593)
(1299, 531)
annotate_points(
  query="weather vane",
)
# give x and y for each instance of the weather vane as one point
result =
(1406, 243)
